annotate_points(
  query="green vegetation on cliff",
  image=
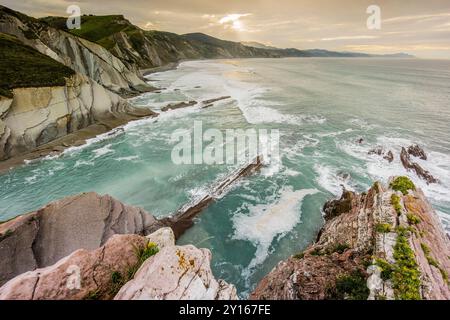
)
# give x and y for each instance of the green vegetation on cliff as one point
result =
(97, 29)
(350, 287)
(406, 274)
(402, 184)
(22, 67)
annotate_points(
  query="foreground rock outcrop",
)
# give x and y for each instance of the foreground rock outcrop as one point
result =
(81, 275)
(177, 273)
(387, 243)
(41, 238)
(126, 267)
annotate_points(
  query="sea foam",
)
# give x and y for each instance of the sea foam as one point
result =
(267, 221)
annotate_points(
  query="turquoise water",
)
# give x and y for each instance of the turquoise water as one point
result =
(320, 106)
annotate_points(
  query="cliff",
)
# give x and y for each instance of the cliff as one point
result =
(94, 247)
(141, 49)
(37, 116)
(82, 56)
(387, 243)
(46, 96)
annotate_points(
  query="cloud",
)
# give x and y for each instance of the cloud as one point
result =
(233, 21)
(417, 18)
(349, 38)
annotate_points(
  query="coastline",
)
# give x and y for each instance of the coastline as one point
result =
(58, 146)
(80, 137)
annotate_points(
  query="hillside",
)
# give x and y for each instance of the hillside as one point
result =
(148, 49)
(19, 62)
(142, 49)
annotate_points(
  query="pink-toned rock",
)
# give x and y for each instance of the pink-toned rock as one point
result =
(359, 229)
(82, 275)
(86, 221)
(177, 273)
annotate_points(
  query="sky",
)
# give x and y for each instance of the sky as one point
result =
(417, 27)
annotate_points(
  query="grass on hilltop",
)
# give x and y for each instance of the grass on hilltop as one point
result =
(22, 67)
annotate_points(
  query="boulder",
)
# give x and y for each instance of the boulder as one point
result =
(177, 273)
(86, 221)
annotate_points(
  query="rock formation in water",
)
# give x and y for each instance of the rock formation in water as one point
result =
(387, 243)
(417, 151)
(409, 165)
(389, 156)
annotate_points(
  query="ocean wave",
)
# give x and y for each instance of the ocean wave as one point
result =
(378, 168)
(330, 179)
(129, 158)
(102, 151)
(267, 221)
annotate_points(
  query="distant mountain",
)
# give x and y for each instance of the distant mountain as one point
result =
(258, 45)
(141, 49)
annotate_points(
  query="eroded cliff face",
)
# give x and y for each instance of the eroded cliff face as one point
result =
(92, 247)
(83, 56)
(36, 116)
(384, 244)
(41, 238)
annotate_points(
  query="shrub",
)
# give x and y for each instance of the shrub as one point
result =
(395, 201)
(412, 219)
(299, 256)
(339, 248)
(383, 228)
(386, 269)
(316, 252)
(118, 280)
(402, 184)
(5, 235)
(350, 287)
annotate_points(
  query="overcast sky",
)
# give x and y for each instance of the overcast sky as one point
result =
(414, 26)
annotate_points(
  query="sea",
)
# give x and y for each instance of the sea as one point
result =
(330, 113)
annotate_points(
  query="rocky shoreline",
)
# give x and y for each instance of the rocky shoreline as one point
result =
(94, 247)
(387, 243)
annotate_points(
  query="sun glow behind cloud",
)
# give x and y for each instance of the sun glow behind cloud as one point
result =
(416, 26)
(234, 21)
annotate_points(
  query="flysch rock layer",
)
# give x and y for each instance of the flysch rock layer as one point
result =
(37, 116)
(172, 273)
(81, 275)
(351, 240)
(177, 273)
(86, 221)
(83, 56)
